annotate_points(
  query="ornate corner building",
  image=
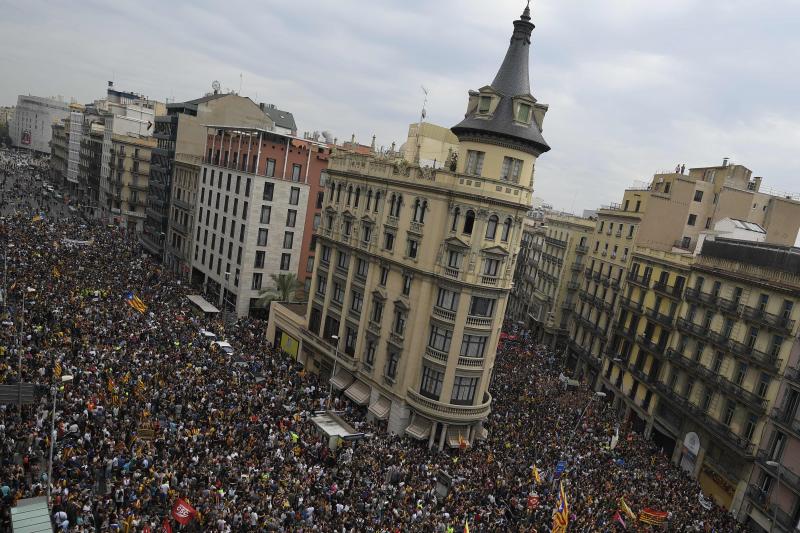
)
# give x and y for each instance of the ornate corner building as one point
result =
(414, 266)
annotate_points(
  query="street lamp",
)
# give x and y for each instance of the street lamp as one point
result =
(54, 389)
(333, 374)
(779, 467)
(27, 290)
(225, 294)
(597, 394)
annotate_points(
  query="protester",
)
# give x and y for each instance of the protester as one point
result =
(154, 416)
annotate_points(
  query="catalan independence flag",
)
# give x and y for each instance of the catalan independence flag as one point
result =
(561, 513)
(135, 302)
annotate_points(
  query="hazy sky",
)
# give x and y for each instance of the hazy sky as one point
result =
(634, 86)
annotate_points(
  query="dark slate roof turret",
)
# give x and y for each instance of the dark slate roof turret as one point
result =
(512, 80)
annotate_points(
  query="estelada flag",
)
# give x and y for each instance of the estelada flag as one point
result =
(182, 512)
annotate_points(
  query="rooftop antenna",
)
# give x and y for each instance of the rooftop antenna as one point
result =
(422, 115)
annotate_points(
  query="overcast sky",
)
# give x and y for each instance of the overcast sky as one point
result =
(634, 86)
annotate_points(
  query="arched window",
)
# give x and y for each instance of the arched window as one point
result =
(358, 196)
(333, 189)
(456, 213)
(415, 214)
(397, 205)
(491, 227)
(506, 230)
(369, 199)
(469, 222)
(377, 200)
(349, 194)
(392, 201)
(422, 212)
(338, 192)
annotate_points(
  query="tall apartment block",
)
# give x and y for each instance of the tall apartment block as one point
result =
(181, 140)
(251, 218)
(31, 127)
(549, 273)
(414, 266)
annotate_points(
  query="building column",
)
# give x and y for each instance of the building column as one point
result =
(442, 437)
(258, 154)
(432, 436)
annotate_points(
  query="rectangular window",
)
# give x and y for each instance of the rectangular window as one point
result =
(447, 299)
(288, 240)
(310, 264)
(473, 346)
(431, 386)
(270, 171)
(491, 267)
(350, 337)
(440, 339)
(266, 214)
(413, 247)
(692, 220)
(698, 196)
(263, 233)
(388, 241)
(269, 190)
(238, 184)
(484, 103)
(370, 353)
(326, 254)
(391, 364)
(317, 220)
(322, 284)
(291, 218)
(356, 301)
(474, 162)
(377, 311)
(511, 170)
(406, 285)
(362, 267)
(247, 188)
(480, 306)
(286, 260)
(260, 256)
(464, 390)
(296, 170)
(342, 261)
(384, 276)
(256, 281)
(244, 211)
(338, 292)
(294, 196)
(399, 323)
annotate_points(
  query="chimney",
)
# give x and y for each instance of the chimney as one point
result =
(725, 162)
(757, 181)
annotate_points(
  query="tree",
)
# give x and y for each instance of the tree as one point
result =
(284, 289)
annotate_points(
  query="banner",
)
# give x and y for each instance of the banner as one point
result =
(651, 516)
(705, 504)
(182, 512)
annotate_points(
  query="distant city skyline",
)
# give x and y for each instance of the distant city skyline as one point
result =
(633, 88)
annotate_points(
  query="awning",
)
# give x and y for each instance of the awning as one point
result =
(358, 392)
(381, 408)
(342, 379)
(31, 515)
(456, 435)
(419, 428)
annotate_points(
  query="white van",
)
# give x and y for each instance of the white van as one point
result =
(224, 346)
(207, 335)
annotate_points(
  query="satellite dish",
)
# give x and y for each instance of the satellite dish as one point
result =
(216, 86)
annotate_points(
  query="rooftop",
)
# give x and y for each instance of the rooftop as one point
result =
(771, 256)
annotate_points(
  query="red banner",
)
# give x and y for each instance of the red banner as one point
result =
(651, 516)
(182, 512)
(165, 526)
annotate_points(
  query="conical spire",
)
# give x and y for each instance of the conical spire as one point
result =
(511, 83)
(512, 79)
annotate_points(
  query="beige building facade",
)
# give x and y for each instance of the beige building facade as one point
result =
(414, 266)
(125, 192)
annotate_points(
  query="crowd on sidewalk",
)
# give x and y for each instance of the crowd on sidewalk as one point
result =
(236, 440)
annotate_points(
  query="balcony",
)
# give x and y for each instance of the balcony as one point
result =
(597, 276)
(448, 412)
(697, 296)
(786, 419)
(576, 267)
(652, 347)
(665, 321)
(692, 328)
(489, 280)
(555, 242)
(639, 280)
(739, 444)
(581, 249)
(788, 477)
(396, 338)
(772, 321)
(587, 273)
(573, 285)
(444, 314)
(470, 362)
(416, 227)
(451, 272)
(374, 327)
(667, 290)
(391, 222)
(630, 304)
(479, 322)
(436, 355)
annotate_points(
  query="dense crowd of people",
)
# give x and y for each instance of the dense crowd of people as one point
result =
(153, 413)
